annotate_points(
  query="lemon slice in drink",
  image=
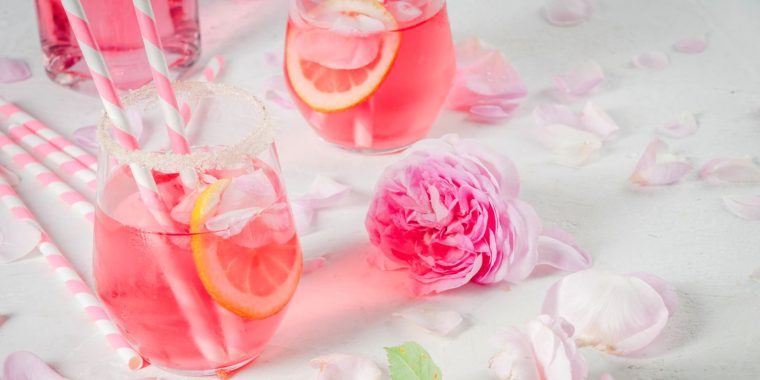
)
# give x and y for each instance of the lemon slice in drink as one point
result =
(254, 283)
(333, 69)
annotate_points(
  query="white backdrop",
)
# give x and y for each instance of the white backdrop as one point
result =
(681, 233)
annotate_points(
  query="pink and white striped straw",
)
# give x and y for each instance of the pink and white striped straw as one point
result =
(99, 71)
(54, 158)
(46, 178)
(212, 69)
(68, 276)
(17, 116)
(160, 71)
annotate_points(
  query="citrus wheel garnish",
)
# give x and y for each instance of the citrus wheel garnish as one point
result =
(329, 88)
(254, 283)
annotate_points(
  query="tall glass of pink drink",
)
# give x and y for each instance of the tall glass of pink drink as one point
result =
(116, 31)
(369, 75)
(203, 292)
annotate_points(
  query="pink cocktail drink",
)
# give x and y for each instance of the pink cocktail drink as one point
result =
(116, 31)
(368, 75)
(205, 293)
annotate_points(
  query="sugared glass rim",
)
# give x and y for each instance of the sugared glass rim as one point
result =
(170, 162)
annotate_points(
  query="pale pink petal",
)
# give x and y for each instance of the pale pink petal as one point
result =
(345, 367)
(491, 113)
(494, 75)
(658, 167)
(303, 215)
(10, 176)
(403, 11)
(581, 80)
(571, 146)
(337, 51)
(558, 249)
(547, 114)
(183, 209)
(313, 264)
(516, 361)
(691, 45)
(555, 349)
(665, 290)
(596, 120)
(22, 365)
(744, 206)
(619, 314)
(606, 376)
(85, 137)
(568, 12)
(323, 192)
(731, 170)
(13, 70)
(685, 125)
(652, 60)
(755, 275)
(17, 239)
(232, 222)
(441, 322)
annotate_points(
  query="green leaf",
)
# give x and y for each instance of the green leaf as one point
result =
(410, 361)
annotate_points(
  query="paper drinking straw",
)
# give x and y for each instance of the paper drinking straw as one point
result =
(68, 276)
(17, 116)
(182, 290)
(212, 69)
(160, 71)
(54, 158)
(46, 178)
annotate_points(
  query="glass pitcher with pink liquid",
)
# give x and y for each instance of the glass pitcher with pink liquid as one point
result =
(369, 75)
(199, 281)
(115, 28)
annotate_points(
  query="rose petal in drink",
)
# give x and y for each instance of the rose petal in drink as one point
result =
(232, 222)
(337, 51)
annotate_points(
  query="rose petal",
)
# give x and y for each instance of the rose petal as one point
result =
(665, 290)
(555, 350)
(581, 80)
(439, 322)
(22, 365)
(85, 137)
(568, 12)
(323, 192)
(516, 361)
(336, 50)
(183, 209)
(10, 176)
(658, 167)
(303, 215)
(403, 11)
(313, 264)
(345, 367)
(685, 125)
(572, 147)
(17, 239)
(755, 275)
(13, 70)
(619, 314)
(484, 77)
(652, 60)
(232, 222)
(491, 113)
(731, 170)
(744, 206)
(558, 249)
(547, 114)
(606, 376)
(595, 120)
(691, 45)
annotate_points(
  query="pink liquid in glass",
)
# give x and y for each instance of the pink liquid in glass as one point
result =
(405, 103)
(135, 284)
(114, 25)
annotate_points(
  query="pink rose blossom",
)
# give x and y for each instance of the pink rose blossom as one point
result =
(449, 213)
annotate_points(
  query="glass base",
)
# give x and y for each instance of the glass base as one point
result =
(220, 372)
(368, 151)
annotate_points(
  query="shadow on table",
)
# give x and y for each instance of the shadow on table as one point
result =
(338, 301)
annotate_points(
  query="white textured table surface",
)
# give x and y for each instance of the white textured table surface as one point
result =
(682, 233)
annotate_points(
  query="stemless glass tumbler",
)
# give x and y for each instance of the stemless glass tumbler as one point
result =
(115, 28)
(198, 282)
(369, 75)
